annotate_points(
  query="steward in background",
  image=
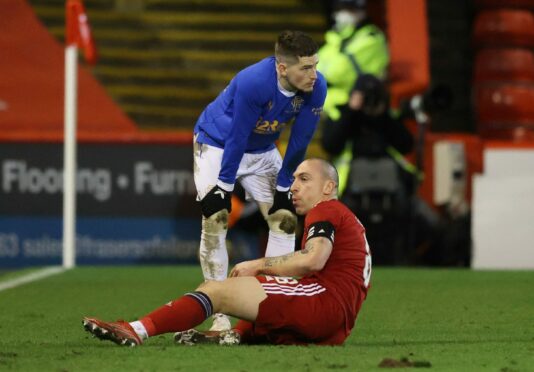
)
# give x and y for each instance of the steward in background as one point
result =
(366, 140)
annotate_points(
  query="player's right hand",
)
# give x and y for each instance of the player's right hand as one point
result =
(246, 268)
(216, 200)
(282, 200)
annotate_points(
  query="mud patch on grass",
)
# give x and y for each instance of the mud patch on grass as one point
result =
(403, 363)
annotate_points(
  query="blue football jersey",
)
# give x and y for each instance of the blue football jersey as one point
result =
(251, 112)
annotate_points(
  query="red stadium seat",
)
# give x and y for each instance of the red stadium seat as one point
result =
(504, 64)
(504, 27)
(505, 110)
(521, 4)
(506, 132)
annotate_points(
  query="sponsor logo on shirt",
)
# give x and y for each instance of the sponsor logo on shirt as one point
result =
(268, 127)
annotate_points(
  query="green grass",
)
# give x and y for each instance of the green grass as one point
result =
(458, 320)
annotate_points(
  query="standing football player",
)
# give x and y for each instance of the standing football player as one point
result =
(234, 139)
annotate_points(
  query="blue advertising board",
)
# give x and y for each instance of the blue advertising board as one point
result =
(135, 204)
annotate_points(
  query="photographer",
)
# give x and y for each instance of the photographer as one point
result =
(377, 180)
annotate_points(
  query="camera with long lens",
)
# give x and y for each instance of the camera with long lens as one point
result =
(437, 98)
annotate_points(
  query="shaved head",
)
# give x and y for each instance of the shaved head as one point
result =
(328, 170)
(315, 181)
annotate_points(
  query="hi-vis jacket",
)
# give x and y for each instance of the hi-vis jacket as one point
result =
(345, 55)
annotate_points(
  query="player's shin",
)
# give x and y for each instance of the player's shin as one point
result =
(213, 255)
(280, 244)
(282, 224)
(184, 313)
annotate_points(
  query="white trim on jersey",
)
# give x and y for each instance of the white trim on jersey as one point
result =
(299, 290)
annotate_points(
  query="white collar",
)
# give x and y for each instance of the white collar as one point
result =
(285, 92)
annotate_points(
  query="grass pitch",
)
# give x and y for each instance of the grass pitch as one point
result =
(444, 320)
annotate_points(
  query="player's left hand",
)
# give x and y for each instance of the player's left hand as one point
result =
(282, 200)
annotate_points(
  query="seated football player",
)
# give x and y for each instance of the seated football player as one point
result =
(333, 267)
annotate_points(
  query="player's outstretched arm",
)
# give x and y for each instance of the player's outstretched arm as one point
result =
(300, 263)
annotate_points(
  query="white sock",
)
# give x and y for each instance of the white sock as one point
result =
(280, 244)
(140, 329)
(214, 256)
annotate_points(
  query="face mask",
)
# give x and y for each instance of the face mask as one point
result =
(344, 18)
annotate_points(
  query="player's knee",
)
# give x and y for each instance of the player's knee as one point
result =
(282, 221)
(216, 223)
(214, 290)
(208, 287)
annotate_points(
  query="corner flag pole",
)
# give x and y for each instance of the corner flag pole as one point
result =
(69, 158)
(78, 34)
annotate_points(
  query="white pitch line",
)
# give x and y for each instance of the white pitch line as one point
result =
(41, 274)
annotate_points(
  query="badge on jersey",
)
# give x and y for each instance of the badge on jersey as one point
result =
(296, 103)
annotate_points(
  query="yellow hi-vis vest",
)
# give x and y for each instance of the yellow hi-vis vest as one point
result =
(366, 46)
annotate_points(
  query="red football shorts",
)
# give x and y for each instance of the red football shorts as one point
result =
(298, 312)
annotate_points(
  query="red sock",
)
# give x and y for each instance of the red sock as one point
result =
(245, 330)
(179, 315)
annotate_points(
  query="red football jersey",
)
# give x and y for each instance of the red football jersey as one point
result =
(348, 270)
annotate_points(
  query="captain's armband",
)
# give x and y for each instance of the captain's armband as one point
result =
(321, 228)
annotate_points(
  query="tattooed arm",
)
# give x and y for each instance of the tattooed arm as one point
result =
(300, 263)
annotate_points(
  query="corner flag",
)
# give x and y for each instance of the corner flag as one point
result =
(78, 31)
(78, 35)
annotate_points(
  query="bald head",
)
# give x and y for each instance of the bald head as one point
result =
(315, 181)
(328, 171)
